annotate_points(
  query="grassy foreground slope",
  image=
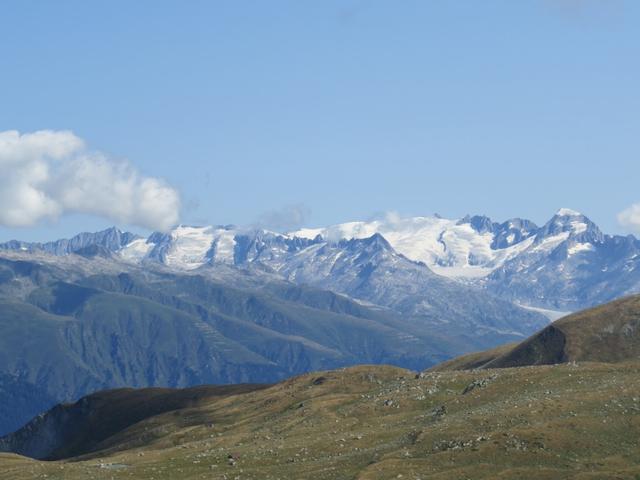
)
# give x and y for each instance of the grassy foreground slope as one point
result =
(546, 422)
(70, 430)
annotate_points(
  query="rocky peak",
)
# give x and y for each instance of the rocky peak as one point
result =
(513, 231)
(373, 244)
(578, 227)
(479, 223)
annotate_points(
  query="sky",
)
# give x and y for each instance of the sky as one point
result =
(287, 113)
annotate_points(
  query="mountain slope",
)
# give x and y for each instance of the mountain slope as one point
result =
(370, 270)
(374, 422)
(20, 401)
(71, 325)
(69, 430)
(608, 333)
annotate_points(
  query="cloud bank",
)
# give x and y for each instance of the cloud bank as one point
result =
(46, 174)
(630, 217)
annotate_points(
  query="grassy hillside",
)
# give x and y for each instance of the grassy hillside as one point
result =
(547, 422)
(69, 430)
(608, 333)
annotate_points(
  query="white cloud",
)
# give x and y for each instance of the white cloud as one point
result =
(287, 218)
(630, 217)
(46, 174)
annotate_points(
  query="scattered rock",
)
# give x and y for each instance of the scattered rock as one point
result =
(457, 444)
(319, 380)
(478, 383)
(439, 412)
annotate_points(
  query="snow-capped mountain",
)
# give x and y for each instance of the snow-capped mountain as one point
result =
(564, 265)
(470, 247)
(111, 240)
(569, 265)
(188, 247)
(370, 270)
(185, 247)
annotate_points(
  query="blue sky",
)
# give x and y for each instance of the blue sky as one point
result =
(340, 109)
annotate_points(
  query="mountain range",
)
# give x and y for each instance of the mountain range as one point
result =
(565, 265)
(227, 305)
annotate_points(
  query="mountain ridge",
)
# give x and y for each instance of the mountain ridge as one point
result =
(608, 333)
(264, 305)
(75, 324)
(569, 261)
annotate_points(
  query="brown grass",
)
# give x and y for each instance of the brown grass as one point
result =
(555, 422)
